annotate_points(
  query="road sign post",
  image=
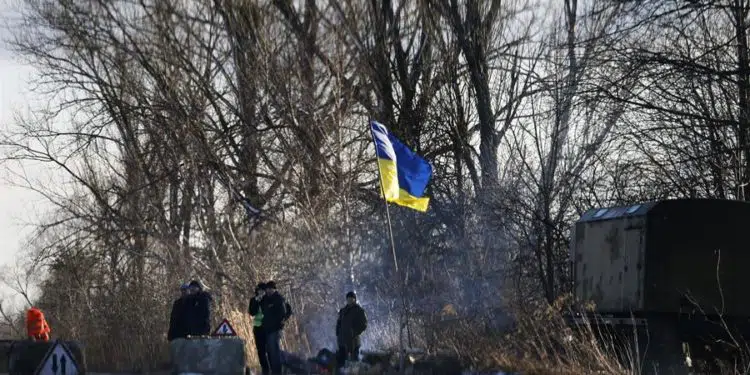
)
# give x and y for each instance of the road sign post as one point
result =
(224, 329)
(58, 361)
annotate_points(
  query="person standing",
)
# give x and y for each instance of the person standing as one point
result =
(274, 315)
(351, 323)
(256, 312)
(177, 326)
(198, 310)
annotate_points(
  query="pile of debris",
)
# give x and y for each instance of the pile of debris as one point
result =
(416, 362)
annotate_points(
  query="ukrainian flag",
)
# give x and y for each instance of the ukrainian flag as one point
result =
(404, 175)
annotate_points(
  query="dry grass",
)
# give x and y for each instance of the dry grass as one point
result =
(540, 342)
(292, 340)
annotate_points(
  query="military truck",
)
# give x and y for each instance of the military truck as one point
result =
(671, 277)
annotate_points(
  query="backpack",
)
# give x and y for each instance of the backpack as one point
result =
(287, 314)
(287, 311)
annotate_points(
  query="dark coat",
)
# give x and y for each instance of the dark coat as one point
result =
(177, 326)
(352, 322)
(198, 314)
(254, 306)
(253, 310)
(275, 313)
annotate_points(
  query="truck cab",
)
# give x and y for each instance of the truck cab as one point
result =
(672, 270)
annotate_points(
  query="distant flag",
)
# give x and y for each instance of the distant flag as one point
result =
(404, 174)
(249, 209)
(253, 214)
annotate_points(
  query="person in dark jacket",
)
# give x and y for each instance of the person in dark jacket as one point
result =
(273, 306)
(177, 326)
(351, 323)
(198, 310)
(260, 338)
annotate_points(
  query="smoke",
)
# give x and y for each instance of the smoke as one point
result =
(456, 260)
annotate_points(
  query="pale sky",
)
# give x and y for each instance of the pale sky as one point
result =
(15, 202)
(18, 206)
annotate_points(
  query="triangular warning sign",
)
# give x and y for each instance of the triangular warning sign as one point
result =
(58, 361)
(224, 329)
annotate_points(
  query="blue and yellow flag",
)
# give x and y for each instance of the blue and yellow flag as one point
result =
(404, 174)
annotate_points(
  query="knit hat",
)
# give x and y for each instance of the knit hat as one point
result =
(196, 284)
(351, 294)
(271, 285)
(260, 286)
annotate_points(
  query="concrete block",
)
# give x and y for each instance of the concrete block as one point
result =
(5, 346)
(23, 356)
(208, 356)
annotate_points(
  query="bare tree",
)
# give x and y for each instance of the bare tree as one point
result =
(687, 111)
(178, 126)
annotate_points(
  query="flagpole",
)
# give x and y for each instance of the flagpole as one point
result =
(402, 352)
(387, 210)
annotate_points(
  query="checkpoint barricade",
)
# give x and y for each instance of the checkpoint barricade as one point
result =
(5, 346)
(223, 353)
(57, 357)
(208, 355)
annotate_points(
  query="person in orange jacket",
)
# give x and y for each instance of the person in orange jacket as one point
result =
(36, 325)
